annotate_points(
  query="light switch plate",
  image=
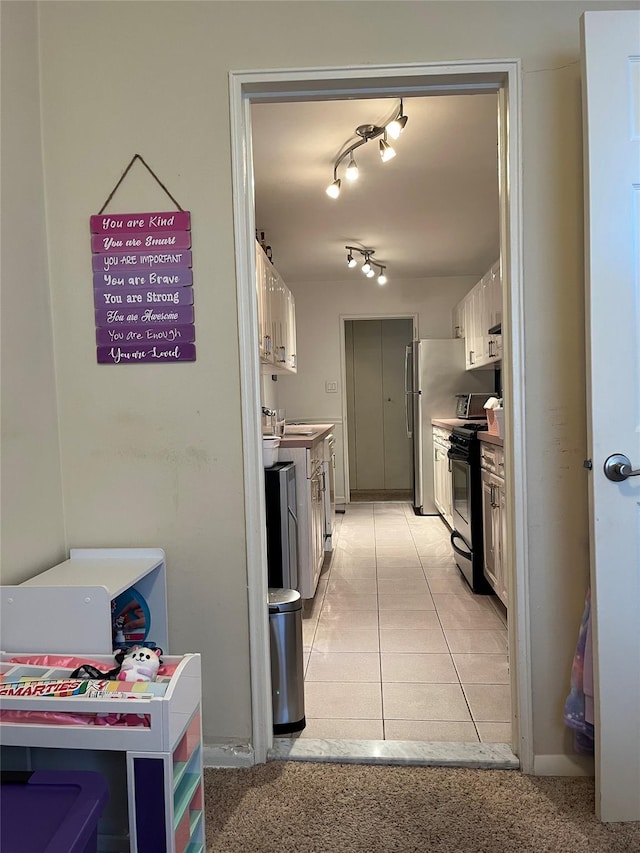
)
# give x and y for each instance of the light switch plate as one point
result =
(331, 386)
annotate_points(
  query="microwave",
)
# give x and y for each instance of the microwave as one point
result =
(471, 405)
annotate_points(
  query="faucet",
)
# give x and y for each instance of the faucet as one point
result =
(268, 413)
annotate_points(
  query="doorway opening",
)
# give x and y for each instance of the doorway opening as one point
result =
(314, 84)
(378, 442)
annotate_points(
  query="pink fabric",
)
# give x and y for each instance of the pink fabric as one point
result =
(587, 678)
(70, 662)
(62, 661)
(56, 718)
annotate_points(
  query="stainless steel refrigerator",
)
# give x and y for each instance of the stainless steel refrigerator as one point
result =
(434, 374)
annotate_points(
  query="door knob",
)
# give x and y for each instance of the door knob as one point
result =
(618, 467)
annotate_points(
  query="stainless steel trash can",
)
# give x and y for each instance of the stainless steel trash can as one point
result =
(287, 679)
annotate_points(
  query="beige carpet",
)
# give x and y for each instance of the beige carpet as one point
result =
(332, 808)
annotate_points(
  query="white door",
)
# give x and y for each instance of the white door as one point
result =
(611, 86)
(379, 450)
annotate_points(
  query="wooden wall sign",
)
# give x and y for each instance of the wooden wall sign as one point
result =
(143, 287)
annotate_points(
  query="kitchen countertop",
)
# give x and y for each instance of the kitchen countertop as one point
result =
(450, 423)
(304, 435)
(490, 439)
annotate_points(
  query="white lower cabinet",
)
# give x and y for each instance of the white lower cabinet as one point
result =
(442, 482)
(496, 568)
(310, 485)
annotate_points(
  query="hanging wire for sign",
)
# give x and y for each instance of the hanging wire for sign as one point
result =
(151, 172)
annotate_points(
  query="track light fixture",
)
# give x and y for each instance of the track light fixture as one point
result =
(367, 132)
(369, 266)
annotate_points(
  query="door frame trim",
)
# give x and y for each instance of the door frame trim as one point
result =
(459, 77)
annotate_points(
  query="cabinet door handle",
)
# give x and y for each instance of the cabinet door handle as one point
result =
(471, 355)
(493, 497)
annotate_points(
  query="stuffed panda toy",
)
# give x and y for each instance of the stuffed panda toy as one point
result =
(140, 664)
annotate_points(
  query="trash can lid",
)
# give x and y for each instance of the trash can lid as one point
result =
(284, 600)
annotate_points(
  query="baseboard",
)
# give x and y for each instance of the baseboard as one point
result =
(563, 765)
(227, 755)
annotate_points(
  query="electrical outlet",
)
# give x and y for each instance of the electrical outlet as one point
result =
(331, 386)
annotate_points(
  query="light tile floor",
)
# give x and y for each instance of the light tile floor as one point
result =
(396, 646)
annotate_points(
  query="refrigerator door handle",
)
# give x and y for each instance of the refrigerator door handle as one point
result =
(407, 352)
(408, 394)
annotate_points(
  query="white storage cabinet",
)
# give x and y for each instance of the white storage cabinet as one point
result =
(156, 770)
(68, 607)
(163, 776)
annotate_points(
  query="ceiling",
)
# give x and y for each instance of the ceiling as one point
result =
(431, 211)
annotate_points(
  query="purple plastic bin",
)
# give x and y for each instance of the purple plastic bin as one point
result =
(50, 811)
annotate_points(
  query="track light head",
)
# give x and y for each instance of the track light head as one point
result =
(397, 125)
(370, 272)
(382, 279)
(352, 170)
(366, 266)
(386, 151)
(351, 261)
(333, 190)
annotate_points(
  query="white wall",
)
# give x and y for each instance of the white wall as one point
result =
(152, 454)
(32, 531)
(320, 310)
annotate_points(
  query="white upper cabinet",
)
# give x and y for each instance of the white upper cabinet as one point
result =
(494, 313)
(479, 311)
(263, 288)
(291, 332)
(457, 318)
(276, 318)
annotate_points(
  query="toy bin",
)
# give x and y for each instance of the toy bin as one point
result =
(50, 811)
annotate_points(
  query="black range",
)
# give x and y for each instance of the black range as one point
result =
(466, 538)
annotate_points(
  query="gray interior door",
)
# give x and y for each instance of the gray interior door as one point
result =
(379, 450)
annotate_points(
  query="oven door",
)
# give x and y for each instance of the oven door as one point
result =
(461, 484)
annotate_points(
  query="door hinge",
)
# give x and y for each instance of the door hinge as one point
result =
(587, 464)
